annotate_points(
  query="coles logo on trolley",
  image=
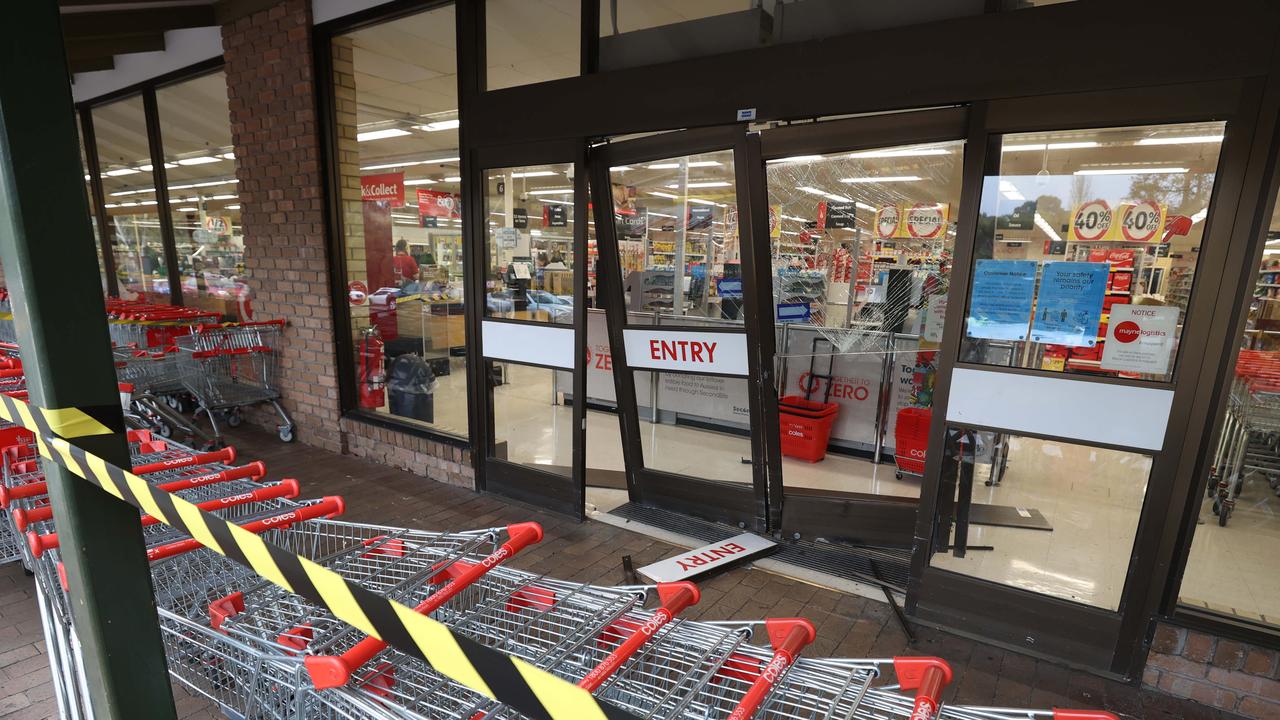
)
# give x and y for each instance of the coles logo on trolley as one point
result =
(723, 353)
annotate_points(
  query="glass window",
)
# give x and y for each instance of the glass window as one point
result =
(1049, 516)
(530, 241)
(200, 165)
(1231, 567)
(861, 256)
(130, 200)
(675, 408)
(401, 208)
(677, 232)
(531, 41)
(1084, 236)
(201, 170)
(624, 16)
(93, 216)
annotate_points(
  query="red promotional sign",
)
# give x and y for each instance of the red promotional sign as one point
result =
(387, 187)
(357, 292)
(926, 221)
(437, 204)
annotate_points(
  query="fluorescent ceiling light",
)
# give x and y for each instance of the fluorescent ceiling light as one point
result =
(789, 232)
(1009, 190)
(1184, 140)
(676, 165)
(534, 173)
(120, 171)
(1079, 145)
(188, 209)
(110, 205)
(664, 195)
(883, 179)
(149, 167)
(620, 168)
(904, 152)
(86, 178)
(203, 160)
(700, 201)
(440, 125)
(453, 178)
(228, 156)
(673, 217)
(420, 181)
(1201, 215)
(865, 206)
(233, 207)
(793, 217)
(824, 193)
(381, 134)
(409, 163)
(1134, 171)
(795, 159)
(555, 191)
(147, 202)
(223, 197)
(122, 193)
(549, 201)
(708, 184)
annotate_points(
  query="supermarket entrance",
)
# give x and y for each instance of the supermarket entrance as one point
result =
(775, 303)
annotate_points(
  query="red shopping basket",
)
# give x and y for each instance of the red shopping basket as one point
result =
(911, 439)
(806, 427)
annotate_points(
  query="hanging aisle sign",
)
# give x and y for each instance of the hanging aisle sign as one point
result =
(687, 351)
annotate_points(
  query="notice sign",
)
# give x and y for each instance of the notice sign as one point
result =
(1070, 303)
(707, 558)
(687, 351)
(1002, 293)
(1140, 338)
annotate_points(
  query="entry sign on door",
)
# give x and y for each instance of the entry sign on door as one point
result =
(697, 561)
(687, 351)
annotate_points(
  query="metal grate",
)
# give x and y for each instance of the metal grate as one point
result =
(874, 565)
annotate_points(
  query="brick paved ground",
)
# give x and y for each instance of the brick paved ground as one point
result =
(848, 626)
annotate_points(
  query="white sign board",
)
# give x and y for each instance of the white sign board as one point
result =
(1140, 338)
(507, 237)
(935, 317)
(534, 343)
(706, 558)
(687, 351)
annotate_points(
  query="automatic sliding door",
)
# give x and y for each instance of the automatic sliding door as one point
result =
(677, 244)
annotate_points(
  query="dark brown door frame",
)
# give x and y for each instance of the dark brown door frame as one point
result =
(522, 482)
(747, 506)
(1105, 641)
(870, 519)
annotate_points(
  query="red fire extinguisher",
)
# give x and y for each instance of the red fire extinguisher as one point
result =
(373, 373)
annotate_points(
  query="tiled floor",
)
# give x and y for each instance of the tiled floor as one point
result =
(847, 625)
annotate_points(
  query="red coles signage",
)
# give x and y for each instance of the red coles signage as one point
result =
(387, 187)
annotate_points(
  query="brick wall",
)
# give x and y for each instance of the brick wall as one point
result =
(275, 130)
(271, 86)
(1222, 673)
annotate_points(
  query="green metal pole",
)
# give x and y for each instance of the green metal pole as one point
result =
(47, 250)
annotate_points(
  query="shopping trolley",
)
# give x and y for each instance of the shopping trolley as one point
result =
(150, 387)
(1249, 441)
(231, 367)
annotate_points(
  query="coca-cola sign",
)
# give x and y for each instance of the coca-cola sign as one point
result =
(386, 187)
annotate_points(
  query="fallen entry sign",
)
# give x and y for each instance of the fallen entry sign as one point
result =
(715, 556)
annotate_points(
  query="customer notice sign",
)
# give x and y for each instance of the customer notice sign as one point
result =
(1140, 338)
(697, 561)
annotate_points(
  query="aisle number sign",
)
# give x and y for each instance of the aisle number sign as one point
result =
(1140, 338)
(917, 221)
(1096, 220)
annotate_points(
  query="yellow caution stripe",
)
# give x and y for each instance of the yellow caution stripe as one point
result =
(495, 675)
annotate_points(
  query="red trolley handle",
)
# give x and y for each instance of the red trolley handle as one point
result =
(253, 471)
(330, 671)
(331, 506)
(12, 372)
(676, 596)
(9, 494)
(928, 676)
(287, 488)
(788, 636)
(220, 352)
(1061, 714)
(225, 455)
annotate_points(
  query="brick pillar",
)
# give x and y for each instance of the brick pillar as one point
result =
(271, 85)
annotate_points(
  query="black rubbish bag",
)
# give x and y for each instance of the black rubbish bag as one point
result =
(411, 388)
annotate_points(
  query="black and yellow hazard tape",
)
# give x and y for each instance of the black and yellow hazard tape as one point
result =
(509, 680)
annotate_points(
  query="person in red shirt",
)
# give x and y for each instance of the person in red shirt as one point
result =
(404, 264)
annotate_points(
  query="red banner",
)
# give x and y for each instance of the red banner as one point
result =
(388, 187)
(436, 204)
